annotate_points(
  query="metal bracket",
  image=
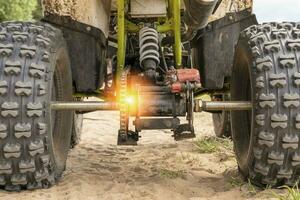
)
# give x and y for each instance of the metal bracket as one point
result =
(156, 123)
(130, 138)
(184, 131)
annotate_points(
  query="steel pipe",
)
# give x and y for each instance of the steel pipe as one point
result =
(222, 105)
(199, 105)
(84, 106)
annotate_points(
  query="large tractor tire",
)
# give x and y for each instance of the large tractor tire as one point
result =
(266, 72)
(34, 70)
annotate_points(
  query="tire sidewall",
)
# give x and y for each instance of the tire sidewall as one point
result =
(243, 51)
(60, 54)
(221, 121)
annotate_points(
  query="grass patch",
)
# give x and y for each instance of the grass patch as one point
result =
(236, 182)
(291, 194)
(251, 188)
(213, 145)
(171, 174)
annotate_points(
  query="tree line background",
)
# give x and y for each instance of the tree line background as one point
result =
(20, 10)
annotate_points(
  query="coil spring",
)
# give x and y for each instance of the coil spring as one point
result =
(148, 45)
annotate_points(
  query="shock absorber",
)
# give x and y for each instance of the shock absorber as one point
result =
(149, 54)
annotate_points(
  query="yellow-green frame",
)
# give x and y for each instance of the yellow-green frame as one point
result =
(171, 25)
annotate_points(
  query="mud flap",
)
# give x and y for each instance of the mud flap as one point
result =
(213, 48)
(87, 46)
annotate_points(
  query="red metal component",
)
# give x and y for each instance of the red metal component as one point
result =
(176, 87)
(191, 75)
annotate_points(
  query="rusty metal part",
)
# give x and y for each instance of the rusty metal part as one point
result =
(191, 75)
(219, 106)
(84, 106)
(124, 109)
(183, 87)
(125, 136)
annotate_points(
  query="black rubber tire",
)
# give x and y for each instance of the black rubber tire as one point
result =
(76, 129)
(34, 69)
(221, 121)
(266, 71)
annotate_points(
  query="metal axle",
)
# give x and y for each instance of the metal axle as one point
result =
(84, 106)
(222, 105)
(199, 105)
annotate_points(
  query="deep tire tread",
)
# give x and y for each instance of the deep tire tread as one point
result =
(276, 54)
(24, 75)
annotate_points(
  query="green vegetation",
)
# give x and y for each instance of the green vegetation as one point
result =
(251, 188)
(236, 182)
(291, 194)
(213, 145)
(19, 10)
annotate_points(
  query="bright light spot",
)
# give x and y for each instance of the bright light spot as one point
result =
(130, 100)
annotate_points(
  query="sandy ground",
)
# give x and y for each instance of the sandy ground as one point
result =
(159, 168)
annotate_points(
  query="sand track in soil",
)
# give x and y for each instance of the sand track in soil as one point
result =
(159, 168)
